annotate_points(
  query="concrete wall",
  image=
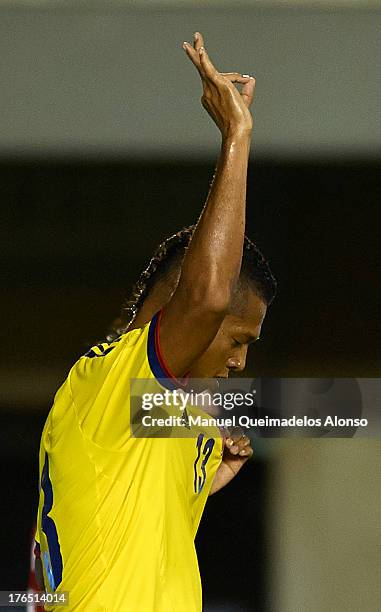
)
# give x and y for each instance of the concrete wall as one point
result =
(325, 526)
(108, 79)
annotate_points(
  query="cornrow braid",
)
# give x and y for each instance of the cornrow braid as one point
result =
(169, 250)
(255, 268)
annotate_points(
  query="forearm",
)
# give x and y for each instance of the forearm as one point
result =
(216, 247)
(222, 477)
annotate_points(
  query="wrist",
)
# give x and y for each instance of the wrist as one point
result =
(237, 143)
(237, 134)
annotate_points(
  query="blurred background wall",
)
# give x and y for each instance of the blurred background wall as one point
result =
(110, 78)
(104, 150)
(325, 531)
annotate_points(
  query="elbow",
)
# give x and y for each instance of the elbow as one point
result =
(210, 301)
(207, 292)
(217, 304)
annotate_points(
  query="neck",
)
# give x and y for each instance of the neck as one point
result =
(146, 312)
(144, 315)
(156, 299)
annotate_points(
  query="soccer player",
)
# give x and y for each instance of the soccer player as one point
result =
(118, 515)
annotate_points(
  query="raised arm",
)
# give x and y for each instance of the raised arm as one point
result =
(212, 263)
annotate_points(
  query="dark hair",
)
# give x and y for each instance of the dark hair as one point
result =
(255, 270)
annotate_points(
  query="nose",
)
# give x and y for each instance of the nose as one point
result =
(238, 362)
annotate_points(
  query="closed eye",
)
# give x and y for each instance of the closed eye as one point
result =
(249, 340)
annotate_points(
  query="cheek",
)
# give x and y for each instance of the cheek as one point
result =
(219, 349)
(217, 353)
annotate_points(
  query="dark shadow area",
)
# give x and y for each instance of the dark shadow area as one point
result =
(75, 236)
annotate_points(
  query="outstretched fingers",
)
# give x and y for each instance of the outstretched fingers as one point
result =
(193, 55)
(200, 58)
(207, 67)
(198, 41)
(194, 52)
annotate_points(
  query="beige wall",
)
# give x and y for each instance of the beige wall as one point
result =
(325, 526)
(111, 78)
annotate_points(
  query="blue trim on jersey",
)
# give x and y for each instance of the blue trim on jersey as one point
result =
(153, 358)
(50, 530)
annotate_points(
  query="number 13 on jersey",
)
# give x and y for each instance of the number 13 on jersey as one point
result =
(204, 450)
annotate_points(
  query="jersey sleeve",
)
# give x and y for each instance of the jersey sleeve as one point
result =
(100, 383)
(99, 386)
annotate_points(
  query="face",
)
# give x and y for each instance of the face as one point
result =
(228, 350)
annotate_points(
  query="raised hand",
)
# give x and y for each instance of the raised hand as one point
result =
(228, 107)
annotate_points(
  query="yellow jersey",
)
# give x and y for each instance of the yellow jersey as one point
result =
(118, 514)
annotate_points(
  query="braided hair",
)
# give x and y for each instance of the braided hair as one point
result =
(169, 255)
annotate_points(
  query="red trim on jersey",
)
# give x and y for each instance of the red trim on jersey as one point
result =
(32, 582)
(179, 381)
(36, 550)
